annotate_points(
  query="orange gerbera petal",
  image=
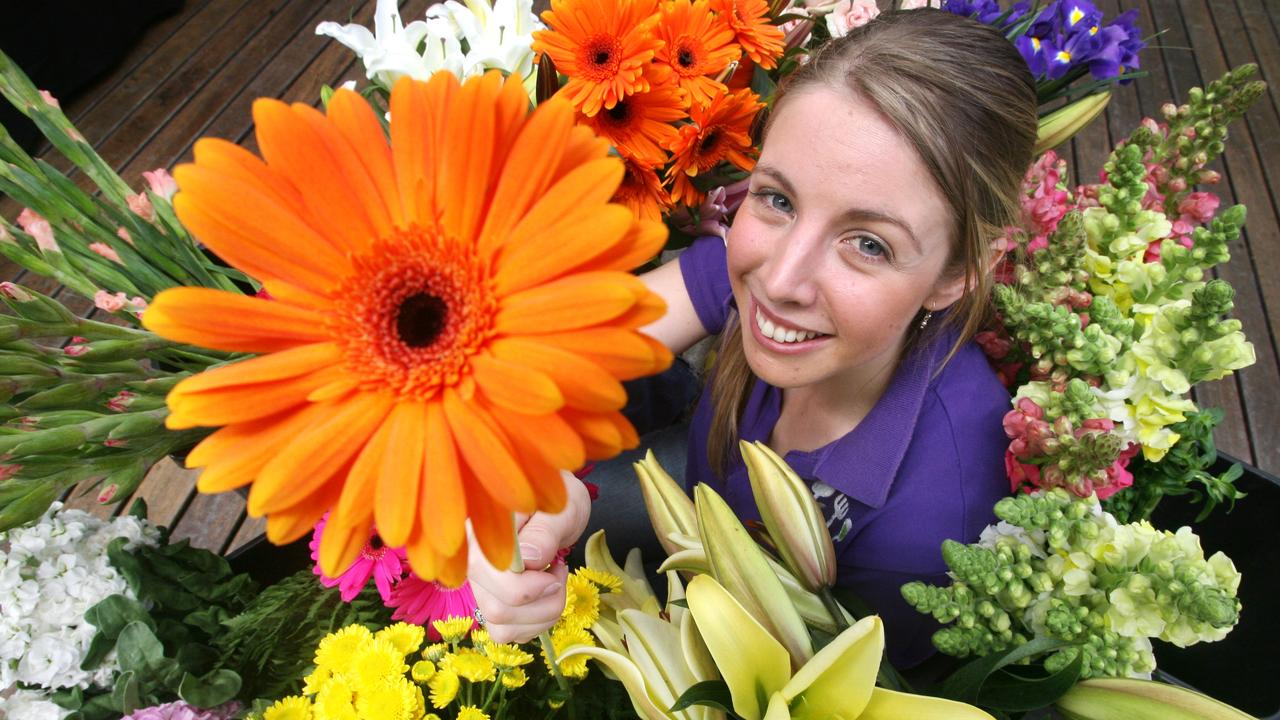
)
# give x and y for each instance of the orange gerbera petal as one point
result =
(396, 272)
(640, 125)
(749, 19)
(720, 131)
(602, 45)
(624, 355)
(697, 46)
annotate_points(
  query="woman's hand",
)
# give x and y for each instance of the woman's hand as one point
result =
(518, 606)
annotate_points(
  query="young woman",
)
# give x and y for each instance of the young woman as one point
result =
(846, 293)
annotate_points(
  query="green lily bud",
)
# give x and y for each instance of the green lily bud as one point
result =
(792, 517)
(137, 424)
(740, 566)
(14, 364)
(81, 392)
(42, 442)
(670, 509)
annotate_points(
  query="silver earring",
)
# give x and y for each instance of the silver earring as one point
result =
(925, 320)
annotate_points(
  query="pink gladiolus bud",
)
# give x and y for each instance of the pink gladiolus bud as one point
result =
(106, 251)
(75, 350)
(140, 205)
(161, 183)
(8, 471)
(107, 493)
(136, 305)
(121, 401)
(49, 99)
(104, 300)
(38, 228)
(15, 292)
(124, 235)
(109, 442)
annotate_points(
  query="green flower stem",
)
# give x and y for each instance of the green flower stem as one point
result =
(517, 566)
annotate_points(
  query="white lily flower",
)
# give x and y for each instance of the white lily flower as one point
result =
(392, 49)
(497, 36)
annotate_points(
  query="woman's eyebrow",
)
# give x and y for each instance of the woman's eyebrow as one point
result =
(866, 214)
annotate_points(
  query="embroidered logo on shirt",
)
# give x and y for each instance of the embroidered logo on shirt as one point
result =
(835, 508)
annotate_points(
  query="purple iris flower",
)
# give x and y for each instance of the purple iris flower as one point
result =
(984, 11)
(1075, 15)
(1032, 50)
(1063, 54)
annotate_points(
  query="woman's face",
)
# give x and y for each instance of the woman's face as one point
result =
(842, 240)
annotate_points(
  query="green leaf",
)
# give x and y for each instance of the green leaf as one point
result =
(1011, 692)
(124, 696)
(138, 649)
(197, 659)
(211, 690)
(712, 693)
(966, 683)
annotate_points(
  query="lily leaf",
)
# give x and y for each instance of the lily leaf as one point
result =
(966, 683)
(1006, 691)
(712, 693)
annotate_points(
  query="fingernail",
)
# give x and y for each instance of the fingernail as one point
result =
(530, 552)
(552, 589)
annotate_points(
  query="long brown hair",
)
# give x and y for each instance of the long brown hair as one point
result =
(962, 96)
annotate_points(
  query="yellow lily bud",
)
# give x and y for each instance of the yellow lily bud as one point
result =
(792, 517)
(743, 569)
(670, 509)
(1141, 700)
(1062, 124)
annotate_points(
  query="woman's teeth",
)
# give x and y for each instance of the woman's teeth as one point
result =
(777, 333)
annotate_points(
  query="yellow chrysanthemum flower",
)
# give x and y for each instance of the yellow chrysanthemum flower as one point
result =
(406, 637)
(480, 637)
(468, 712)
(378, 659)
(452, 630)
(337, 649)
(435, 652)
(444, 688)
(582, 602)
(604, 581)
(389, 699)
(313, 683)
(336, 701)
(293, 707)
(514, 678)
(508, 656)
(563, 638)
(423, 670)
(473, 666)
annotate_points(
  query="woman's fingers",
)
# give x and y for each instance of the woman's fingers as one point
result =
(518, 606)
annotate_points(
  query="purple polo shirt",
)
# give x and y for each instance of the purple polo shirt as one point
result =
(926, 464)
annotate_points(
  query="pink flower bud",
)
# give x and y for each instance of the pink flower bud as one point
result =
(8, 471)
(75, 350)
(106, 251)
(107, 493)
(140, 205)
(115, 443)
(124, 235)
(38, 228)
(121, 401)
(108, 302)
(49, 99)
(15, 292)
(161, 182)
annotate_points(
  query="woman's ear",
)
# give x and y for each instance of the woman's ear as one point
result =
(951, 287)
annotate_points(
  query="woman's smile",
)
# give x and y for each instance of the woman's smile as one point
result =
(779, 335)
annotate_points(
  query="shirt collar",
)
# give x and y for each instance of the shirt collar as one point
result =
(864, 463)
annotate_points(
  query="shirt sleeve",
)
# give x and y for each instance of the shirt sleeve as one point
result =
(704, 266)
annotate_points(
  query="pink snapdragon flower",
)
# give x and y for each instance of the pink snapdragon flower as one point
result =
(1044, 203)
(386, 565)
(38, 228)
(421, 601)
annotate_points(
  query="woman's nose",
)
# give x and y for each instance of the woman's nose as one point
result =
(789, 271)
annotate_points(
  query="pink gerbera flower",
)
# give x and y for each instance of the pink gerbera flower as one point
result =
(421, 601)
(385, 564)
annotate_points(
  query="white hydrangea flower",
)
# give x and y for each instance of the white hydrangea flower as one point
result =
(50, 574)
(29, 705)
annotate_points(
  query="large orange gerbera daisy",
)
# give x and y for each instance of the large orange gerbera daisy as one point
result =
(719, 131)
(697, 43)
(449, 322)
(640, 125)
(642, 191)
(603, 46)
(761, 40)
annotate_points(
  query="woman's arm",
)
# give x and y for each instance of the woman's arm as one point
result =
(680, 327)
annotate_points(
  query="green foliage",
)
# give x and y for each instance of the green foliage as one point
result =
(272, 641)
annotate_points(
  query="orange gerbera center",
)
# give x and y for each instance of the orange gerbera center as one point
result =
(415, 310)
(601, 56)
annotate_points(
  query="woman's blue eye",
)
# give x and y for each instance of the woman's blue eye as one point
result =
(779, 202)
(871, 246)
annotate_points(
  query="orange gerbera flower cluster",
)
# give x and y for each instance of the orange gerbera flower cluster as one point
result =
(648, 75)
(450, 316)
